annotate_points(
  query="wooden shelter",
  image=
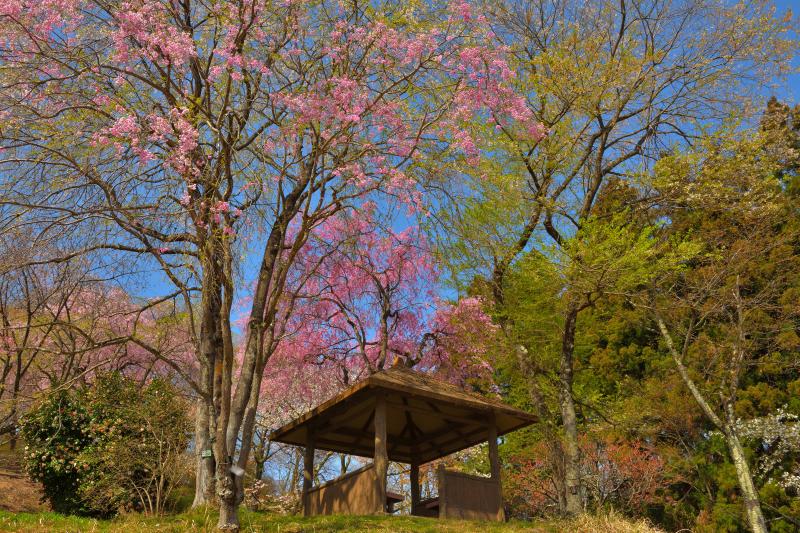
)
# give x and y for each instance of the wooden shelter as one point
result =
(408, 417)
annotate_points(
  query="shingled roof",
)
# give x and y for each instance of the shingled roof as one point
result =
(426, 418)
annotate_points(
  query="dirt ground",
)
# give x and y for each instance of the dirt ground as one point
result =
(17, 492)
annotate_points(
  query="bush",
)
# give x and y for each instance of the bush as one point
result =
(55, 432)
(626, 475)
(114, 445)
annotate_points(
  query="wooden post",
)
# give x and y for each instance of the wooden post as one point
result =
(441, 483)
(308, 471)
(494, 464)
(414, 482)
(494, 457)
(381, 456)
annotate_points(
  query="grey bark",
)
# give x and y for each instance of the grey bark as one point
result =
(755, 516)
(752, 504)
(204, 471)
(572, 456)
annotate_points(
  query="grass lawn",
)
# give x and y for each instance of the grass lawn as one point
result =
(205, 521)
(200, 521)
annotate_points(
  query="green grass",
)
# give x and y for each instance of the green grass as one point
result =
(205, 521)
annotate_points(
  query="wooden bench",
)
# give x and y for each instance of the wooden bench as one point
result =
(392, 499)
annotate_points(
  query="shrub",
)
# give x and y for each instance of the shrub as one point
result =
(55, 432)
(110, 446)
(626, 475)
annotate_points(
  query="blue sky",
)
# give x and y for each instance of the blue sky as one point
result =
(790, 91)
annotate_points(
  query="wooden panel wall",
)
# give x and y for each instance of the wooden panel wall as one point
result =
(355, 493)
(468, 497)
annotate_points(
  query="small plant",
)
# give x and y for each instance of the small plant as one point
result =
(261, 496)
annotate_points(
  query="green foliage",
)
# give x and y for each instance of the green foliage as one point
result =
(112, 445)
(721, 234)
(55, 432)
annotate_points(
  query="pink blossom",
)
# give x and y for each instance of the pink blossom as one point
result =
(462, 9)
(126, 126)
(145, 30)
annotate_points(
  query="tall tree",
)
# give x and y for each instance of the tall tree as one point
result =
(615, 83)
(735, 308)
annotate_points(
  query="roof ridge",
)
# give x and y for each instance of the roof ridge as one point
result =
(440, 382)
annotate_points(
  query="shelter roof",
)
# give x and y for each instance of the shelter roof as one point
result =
(426, 418)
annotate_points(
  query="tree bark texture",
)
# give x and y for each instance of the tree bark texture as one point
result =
(572, 457)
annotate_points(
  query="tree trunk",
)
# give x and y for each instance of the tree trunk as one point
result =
(205, 467)
(749, 493)
(752, 504)
(572, 480)
(12, 443)
(228, 513)
(228, 486)
(248, 428)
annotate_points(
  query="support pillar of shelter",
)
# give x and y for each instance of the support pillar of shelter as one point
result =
(494, 456)
(381, 455)
(494, 461)
(308, 471)
(414, 482)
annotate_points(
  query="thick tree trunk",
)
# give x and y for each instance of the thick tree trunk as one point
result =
(230, 488)
(204, 473)
(572, 480)
(228, 514)
(227, 493)
(752, 504)
(210, 355)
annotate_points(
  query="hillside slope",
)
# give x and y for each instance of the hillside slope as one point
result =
(17, 492)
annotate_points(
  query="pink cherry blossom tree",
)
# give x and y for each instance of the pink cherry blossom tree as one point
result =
(179, 136)
(368, 300)
(59, 327)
